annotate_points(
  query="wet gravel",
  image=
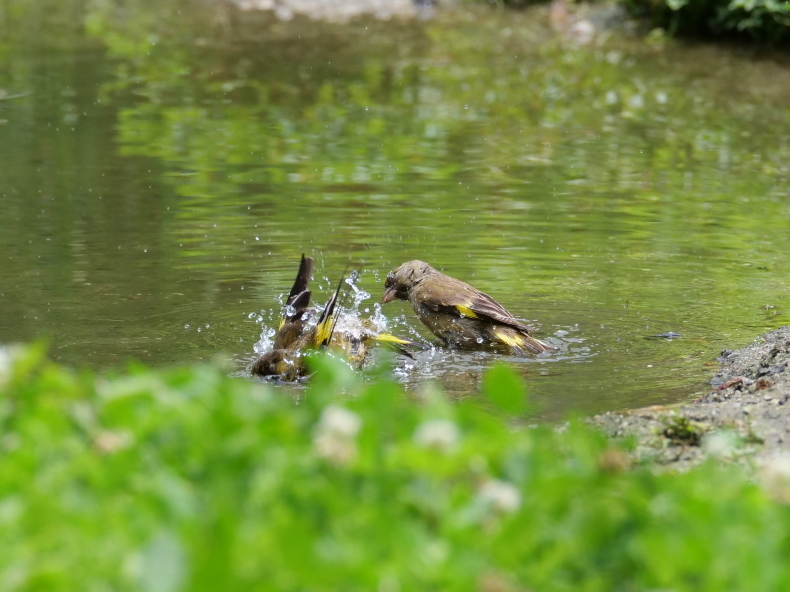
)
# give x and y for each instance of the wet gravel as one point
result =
(744, 418)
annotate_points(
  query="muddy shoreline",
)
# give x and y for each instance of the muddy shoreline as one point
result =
(744, 418)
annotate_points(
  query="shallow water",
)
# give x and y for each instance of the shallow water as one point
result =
(161, 175)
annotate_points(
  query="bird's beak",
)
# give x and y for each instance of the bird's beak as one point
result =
(389, 295)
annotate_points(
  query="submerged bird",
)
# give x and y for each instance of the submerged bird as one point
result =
(298, 333)
(458, 314)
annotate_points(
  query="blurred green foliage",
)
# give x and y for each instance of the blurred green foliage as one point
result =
(765, 21)
(189, 480)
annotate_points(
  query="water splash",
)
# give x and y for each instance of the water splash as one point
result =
(266, 340)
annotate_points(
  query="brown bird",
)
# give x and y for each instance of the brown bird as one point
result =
(458, 314)
(298, 333)
(295, 335)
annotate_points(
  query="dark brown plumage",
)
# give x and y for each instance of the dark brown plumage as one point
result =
(296, 307)
(458, 314)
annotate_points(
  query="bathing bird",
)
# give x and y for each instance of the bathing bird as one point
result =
(458, 314)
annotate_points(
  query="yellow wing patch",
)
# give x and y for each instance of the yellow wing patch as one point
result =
(386, 337)
(466, 311)
(282, 323)
(511, 340)
(323, 331)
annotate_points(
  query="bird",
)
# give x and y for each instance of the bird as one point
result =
(297, 333)
(458, 314)
(294, 335)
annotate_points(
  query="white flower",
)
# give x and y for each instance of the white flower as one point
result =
(721, 443)
(334, 435)
(501, 495)
(340, 421)
(334, 448)
(775, 477)
(776, 467)
(439, 434)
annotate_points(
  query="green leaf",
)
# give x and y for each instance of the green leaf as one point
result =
(505, 389)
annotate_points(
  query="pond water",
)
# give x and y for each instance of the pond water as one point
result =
(162, 170)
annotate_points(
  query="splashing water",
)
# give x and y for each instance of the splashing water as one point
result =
(458, 371)
(266, 340)
(378, 319)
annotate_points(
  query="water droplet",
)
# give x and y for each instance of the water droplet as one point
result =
(257, 238)
(186, 326)
(466, 106)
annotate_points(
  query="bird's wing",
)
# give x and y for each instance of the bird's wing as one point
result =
(328, 319)
(299, 296)
(302, 280)
(399, 344)
(456, 297)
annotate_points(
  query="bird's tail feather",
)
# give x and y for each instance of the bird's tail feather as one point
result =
(521, 344)
(403, 346)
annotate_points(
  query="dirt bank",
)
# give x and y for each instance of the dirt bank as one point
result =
(746, 415)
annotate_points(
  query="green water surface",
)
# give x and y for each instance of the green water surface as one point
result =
(163, 165)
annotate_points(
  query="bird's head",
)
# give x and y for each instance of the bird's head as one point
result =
(402, 279)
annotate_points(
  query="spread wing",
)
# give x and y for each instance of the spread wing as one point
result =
(328, 319)
(443, 293)
(293, 319)
(299, 296)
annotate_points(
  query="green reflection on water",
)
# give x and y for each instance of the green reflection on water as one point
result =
(157, 193)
